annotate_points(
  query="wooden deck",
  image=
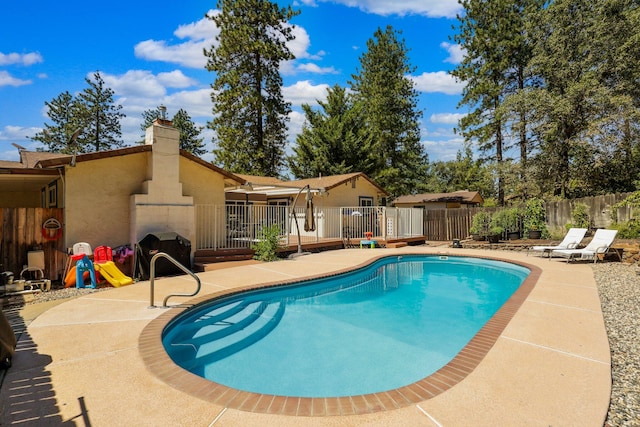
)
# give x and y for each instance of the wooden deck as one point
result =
(205, 259)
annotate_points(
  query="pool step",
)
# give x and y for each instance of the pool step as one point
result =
(224, 337)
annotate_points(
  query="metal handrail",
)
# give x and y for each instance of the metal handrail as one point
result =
(177, 264)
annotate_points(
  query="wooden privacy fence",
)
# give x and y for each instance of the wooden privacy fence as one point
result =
(21, 231)
(449, 224)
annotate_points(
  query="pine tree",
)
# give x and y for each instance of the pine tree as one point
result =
(389, 101)
(99, 116)
(250, 114)
(334, 140)
(564, 103)
(189, 133)
(497, 54)
(57, 136)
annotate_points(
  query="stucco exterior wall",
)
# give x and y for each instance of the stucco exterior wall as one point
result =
(204, 185)
(97, 199)
(345, 195)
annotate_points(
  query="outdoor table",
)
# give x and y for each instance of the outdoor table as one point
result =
(371, 243)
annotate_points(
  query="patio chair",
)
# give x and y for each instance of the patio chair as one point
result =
(600, 244)
(571, 241)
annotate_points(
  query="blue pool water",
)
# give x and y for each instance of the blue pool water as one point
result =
(378, 328)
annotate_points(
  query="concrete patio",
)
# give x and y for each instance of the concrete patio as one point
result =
(79, 362)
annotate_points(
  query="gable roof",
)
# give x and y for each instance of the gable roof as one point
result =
(261, 180)
(21, 176)
(332, 181)
(61, 160)
(468, 197)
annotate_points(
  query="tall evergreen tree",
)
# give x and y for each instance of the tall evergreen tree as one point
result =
(100, 117)
(497, 53)
(190, 139)
(56, 136)
(334, 139)
(389, 101)
(250, 114)
(614, 133)
(564, 104)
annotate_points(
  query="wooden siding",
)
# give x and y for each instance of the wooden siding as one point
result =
(21, 232)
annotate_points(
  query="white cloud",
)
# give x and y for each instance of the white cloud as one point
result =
(26, 59)
(300, 45)
(443, 150)
(304, 92)
(7, 79)
(141, 83)
(456, 52)
(446, 118)
(431, 8)
(440, 82)
(9, 133)
(296, 121)
(311, 3)
(197, 103)
(176, 79)
(316, 69)
(19, 135)
(199, 35)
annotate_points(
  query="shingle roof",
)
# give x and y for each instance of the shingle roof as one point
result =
(457, 196)
(261, 180)
(332, 181)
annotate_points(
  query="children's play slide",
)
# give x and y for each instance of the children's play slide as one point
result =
(112, 274)
(70, 279)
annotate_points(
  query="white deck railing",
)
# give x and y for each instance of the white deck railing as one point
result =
(238, 226)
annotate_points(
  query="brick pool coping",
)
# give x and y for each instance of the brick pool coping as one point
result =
(160, 364)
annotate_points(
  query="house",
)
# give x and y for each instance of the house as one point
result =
(22, 185)
(353, 189)
(454, 200)
(344, 204)
(117, 197)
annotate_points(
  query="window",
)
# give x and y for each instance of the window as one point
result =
(52, 195)
(365, 201)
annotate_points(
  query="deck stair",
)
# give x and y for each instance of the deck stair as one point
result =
(203, 257)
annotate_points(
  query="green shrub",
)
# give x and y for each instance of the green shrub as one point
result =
(508, 218)
(580, 215)
(627, 230)
(535, 215)
(480, 223)
(268, 243)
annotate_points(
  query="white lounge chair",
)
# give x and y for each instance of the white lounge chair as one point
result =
(600, 244)
(571, 241)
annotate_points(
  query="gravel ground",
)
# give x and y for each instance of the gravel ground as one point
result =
(619, 289)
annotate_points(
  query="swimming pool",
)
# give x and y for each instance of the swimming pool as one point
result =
(378, 328)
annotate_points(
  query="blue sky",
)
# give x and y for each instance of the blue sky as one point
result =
(150, 53)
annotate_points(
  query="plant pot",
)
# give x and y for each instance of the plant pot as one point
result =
(477, 237)
(513, 235)
(535, 234)
(494, 238)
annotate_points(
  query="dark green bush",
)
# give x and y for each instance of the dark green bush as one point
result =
(268, 243)
(628, 230)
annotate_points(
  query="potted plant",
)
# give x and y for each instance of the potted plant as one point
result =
(534, 218)
(513, 222)
(480, 225)
(495, 233)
